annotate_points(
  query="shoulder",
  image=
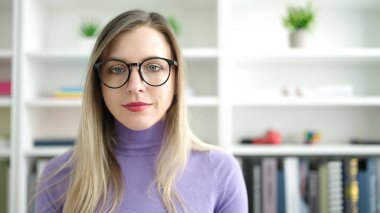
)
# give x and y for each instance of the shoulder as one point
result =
(52, 184)
(56, 163)
(228, 182)
(217, 159)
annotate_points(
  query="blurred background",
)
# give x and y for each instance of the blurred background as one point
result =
(290, 87)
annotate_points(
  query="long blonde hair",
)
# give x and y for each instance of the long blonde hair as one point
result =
(96, 180)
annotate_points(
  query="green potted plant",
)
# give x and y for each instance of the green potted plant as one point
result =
(88, 29)
(174, 25)
(298, 21)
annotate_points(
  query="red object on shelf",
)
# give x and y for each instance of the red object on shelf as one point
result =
(5, 87)
(271, 137)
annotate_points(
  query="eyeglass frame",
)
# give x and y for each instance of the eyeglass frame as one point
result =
(130, 65)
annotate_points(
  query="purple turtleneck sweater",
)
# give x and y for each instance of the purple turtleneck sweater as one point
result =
(211, 182)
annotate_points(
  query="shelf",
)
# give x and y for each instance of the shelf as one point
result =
(5, 101)
(75, 55)
(305, 150)
(4, 152)
(303, 101)
(365, 55)
(46, 152)
(202, 101)
(5, 53)
(107, 5)
(50, 102)
(200, 53)
(350, 4)
(68, 103)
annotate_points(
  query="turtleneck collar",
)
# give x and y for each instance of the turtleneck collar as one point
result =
(139, 142)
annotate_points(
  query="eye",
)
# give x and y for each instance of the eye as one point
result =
(117, 70)
(153, 68)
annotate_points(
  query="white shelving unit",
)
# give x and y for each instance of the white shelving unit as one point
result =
(7, 103)
(264, 67)
(306, 150)
(232, 49)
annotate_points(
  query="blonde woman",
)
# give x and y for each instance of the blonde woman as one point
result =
(135, 151)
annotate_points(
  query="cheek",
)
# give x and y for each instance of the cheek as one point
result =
(108, 97)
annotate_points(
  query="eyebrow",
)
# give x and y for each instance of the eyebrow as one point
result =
(121, 59)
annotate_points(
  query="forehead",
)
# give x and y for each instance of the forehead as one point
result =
(138, 44)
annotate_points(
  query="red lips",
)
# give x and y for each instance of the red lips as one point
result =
(137, 106)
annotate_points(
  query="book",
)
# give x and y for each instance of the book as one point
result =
(313, 191)
(363, 179)
(323, 187)
(280, 190)
(247, 168)
(292, 186)
(257, 176)
(335, 186)
(351, 185)
(252, 176)
(69, 92)
(53, 142)
(5, 88)
(269, 185)
(4, 167)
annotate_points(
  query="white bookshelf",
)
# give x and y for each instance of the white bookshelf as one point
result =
(7, 115)
(51, 102)
(231, 48)
(5, 101)
(45, 152)
(203, 101)
(5, 153)
(5, 54)
(306, 150)
(308, 102)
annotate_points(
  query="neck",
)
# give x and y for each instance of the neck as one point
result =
(139, 142)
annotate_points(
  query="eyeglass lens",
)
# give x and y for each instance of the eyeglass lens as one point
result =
(115, 73)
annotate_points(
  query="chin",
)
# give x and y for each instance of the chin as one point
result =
(138, 125)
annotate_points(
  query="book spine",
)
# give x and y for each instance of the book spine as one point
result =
(257, 170)
(351, 185)
(292, 186)
(335, 186)
(269, 167)
(363, 178)
(248, 178)
(323, 187)
(281, 191)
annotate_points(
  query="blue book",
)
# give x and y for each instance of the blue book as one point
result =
(363, 177)
(71, 89)
(54, 142)
(280, 191)
(372, 180)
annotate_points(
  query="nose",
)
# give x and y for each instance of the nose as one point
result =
(135, 83)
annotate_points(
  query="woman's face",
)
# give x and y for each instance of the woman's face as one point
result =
(138, 105)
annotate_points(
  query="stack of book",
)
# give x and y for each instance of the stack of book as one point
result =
(301, 185)
(69, 92)
(54, 142)
(4, 179)
(5, 88)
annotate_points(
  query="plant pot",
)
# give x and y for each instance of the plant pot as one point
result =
(297, 39)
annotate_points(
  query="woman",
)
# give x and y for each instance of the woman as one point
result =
(135, 151)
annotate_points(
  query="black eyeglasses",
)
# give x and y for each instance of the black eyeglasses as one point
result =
(114, 73)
